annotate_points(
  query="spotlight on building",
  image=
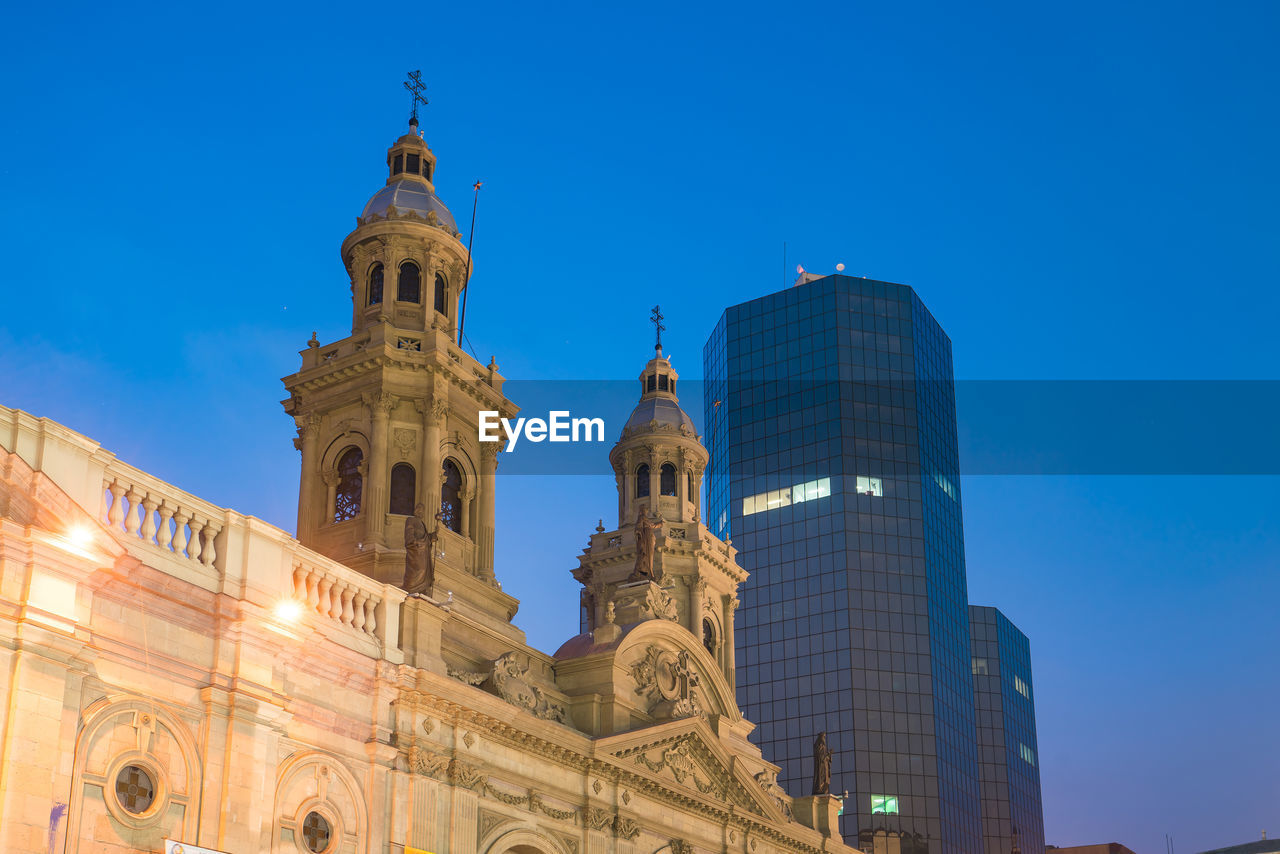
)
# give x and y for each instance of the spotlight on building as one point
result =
(288, 610)
(80, 536)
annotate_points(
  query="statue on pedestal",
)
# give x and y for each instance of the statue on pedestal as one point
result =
(644, 548)
(821, 765)
(419, 554)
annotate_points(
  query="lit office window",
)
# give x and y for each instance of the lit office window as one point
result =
(979, 667)
(870, 486)
(774, 498)
(1022, 687)
(1027, 754)
(946, 485)
(884, 804)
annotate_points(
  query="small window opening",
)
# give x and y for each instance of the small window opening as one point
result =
(412, 164)
(410, 289)
(440, 293)
(667, 480)
(451, 497)
(662, 382)
(642, 481)
(397, 165)
(404, 489)
(135, 789)
(709, 635)
(316, 833)
(346, 502)
(653, 383)
(375, 284)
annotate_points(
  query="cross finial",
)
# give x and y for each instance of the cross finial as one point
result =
(417, 94)
(656, 318)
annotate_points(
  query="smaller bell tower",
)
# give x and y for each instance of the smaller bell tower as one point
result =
(661, 562)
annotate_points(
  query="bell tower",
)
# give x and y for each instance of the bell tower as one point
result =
(661, 562)
(388, 417)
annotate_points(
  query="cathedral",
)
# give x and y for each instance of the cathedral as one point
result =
(180, 677)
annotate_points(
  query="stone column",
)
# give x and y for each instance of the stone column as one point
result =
(730, 654)
(308, 442)
(433, 414)
(655, 481)
(697, 493)
(376, 488)
(488, 483)
(697, 588)
(468, 498)
(330, 479)
(624, 486)
(682, 479)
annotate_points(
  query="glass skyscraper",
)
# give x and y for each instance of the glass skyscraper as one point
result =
(831, 426)
(1008, 767)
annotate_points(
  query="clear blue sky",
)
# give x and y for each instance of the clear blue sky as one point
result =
(1077, 191)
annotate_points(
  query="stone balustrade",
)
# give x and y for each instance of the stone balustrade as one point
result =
(214, 548)
(339, 594)
(160, 515)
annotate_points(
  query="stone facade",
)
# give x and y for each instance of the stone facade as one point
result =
(178, 671)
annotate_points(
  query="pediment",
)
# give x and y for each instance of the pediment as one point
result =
(686, 755)
(671, 676)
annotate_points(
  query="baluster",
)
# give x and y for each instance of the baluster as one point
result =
(335, 600)
(299, 583)
(357, 610)
(348, 615)
(313, 595)
(115, 514)
(180, 518)
(165, 537)
(322, 606)
(207, 554)
(133, 519)
(370, 615)
(149, 519)
(193, 545)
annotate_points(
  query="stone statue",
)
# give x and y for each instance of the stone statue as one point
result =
(821, 765)
(644, 548)
(419, 554)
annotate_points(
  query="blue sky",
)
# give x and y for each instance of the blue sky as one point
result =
(1083, 191)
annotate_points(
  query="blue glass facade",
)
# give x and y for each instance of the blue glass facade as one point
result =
(1008, 756)
(834, 468)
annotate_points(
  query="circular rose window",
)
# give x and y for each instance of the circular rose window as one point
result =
(135, 789)
(315, 832)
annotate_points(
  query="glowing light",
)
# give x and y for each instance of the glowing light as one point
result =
(80, 536)
(289, 610)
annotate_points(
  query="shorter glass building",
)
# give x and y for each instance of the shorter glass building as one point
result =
(1008, 764)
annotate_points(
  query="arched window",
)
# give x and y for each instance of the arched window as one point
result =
(667, 480)
(709, 635)
(451, 497)
(375, 284)
(404, 489)
(346, 502)
(410, 288)
(642, 481)
(440, 293)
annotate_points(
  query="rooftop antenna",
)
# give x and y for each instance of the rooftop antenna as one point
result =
(656, 318)
(417, 95)
(471, 242)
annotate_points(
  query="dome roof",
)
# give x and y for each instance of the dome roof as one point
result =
(660, 409)
(409, 194)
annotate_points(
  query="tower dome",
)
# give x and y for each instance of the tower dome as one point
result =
(406, 260)
(658, 459)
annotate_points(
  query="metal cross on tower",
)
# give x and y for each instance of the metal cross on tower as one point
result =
(656, 318)
(417, 92)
